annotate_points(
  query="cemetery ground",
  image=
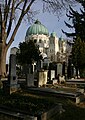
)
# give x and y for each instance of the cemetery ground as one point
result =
(32, 104)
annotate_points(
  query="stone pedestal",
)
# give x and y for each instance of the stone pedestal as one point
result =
(42, 77)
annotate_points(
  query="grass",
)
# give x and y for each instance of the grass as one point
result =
(33, 104)
(72, 112)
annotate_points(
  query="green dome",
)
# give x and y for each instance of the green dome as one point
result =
(37, 28)
(53, 34)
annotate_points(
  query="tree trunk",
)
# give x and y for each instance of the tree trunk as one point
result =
(3, 53)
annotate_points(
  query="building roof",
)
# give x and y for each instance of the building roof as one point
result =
(53, 34)
(37, 28)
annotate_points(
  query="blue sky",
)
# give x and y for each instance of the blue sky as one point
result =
(51, 21)
(48, 20)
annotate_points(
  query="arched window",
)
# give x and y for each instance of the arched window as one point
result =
(35, 40)
(51, 58)
(44, 41)
(40, 41)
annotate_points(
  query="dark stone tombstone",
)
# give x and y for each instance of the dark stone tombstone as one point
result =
(11, 85)
(12, 69)
(39, 65)
(12, 74)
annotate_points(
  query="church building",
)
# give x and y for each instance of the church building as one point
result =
(50, 46)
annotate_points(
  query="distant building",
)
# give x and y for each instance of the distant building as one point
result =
(55, 51)
(50, 46)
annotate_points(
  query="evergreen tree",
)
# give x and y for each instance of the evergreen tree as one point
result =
(28, 53)
(78, 56)
(78, 22)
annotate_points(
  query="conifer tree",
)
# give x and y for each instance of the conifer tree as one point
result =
(78, 22)
(78, 56)
(28, 53)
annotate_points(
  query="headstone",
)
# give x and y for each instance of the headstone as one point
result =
(42, 77)
(59, 69)
(30, 76)
(12, 69)
(11, 85)
(39, 65)
(12, 74)
(30, 80)
(52, 74)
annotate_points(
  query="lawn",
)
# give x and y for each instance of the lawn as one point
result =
(33, 104)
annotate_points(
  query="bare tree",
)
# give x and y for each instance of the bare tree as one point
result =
(8, 13)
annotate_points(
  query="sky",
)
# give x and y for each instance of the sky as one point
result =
(52, 22)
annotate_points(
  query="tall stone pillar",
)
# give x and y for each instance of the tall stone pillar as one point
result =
(12, 69)
(12, 72)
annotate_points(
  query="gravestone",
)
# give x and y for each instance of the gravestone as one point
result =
(42, 77)
(59, 69)
(13, 85)
(30, 76)
(52, 74)
(12, 69)
(30, 80)
(39, 65)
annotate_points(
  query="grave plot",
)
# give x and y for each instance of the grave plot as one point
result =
(75, 96)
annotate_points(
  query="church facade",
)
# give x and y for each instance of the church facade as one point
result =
(52, 48)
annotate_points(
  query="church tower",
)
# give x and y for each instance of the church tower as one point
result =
(53, 47)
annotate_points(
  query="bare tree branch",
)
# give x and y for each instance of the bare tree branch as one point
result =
(18, 4)
(27, 9)
(56, 6)
(7, 8)
(52, 5)
(11, 19)
(17, 26)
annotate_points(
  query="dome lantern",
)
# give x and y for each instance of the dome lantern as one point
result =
(53, 34)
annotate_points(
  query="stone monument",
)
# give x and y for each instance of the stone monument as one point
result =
(12, 71)
(52, 74)
(42, 77)
(59, 69)
(30, 76)
(11, 85)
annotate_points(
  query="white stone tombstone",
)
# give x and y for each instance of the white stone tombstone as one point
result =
(59, 68)
(42, 78)
(52, 74)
